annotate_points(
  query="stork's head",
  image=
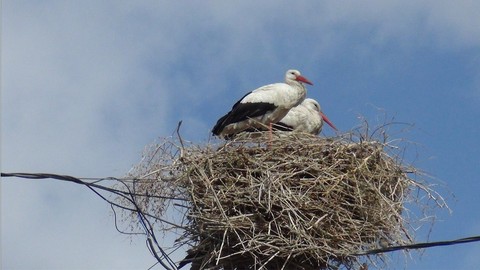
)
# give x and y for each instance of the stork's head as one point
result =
(294, 75)
(312, 104)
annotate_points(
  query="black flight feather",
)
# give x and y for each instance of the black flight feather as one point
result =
(282, 127)
(241, 112)
(276, 127)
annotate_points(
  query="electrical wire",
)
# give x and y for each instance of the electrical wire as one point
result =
(143, 220)
(421, 245)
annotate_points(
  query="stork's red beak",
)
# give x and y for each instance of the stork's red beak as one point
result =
(303, 79)
(325, 118)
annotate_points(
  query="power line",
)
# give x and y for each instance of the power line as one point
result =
(83, 181)
(94, 186)
(421, 245)
(128, 195)
(123, 193)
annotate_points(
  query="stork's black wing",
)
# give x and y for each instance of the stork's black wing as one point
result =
(242, 111)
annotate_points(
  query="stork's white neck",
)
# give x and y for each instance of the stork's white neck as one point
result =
(298, 91)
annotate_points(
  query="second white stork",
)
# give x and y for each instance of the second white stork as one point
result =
(263, 106)
(306, 117)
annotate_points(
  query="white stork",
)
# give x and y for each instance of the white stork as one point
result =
(306, 117)
(263, 106)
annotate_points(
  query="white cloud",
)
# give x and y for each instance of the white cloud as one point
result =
(87, 84)
(75, 93)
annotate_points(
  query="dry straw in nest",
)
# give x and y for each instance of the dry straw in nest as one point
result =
(300, 202)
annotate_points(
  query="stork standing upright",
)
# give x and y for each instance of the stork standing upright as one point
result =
(306, 117)
(263, 106)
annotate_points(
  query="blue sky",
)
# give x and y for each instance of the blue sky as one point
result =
(85, 86)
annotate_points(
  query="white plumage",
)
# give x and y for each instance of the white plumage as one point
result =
(306, 117)
(263, 106)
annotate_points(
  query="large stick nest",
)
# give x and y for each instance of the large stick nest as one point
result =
(299, 202)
